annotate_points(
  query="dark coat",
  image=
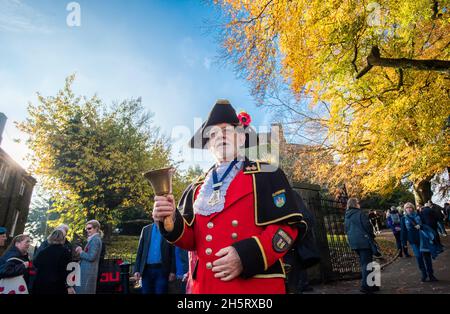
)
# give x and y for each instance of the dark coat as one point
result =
(429, 217)
(51, 265)
(358, 228)
(306, 246)
(67, 245)
(13, 268)
(167, 252)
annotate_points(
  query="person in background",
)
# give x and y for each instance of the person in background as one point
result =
(431, 217)
(51, 265)
(67, 245)
(394, 223)
(89, 258)
(373, 218)
(447, 213)
(15, 262)
(359, 234)
(3, 237)
(411, 224)
(400, 208)
(440, 217)
(155, 261)
(193, 260)
(297, 277)
(304, 253)
(182, 269)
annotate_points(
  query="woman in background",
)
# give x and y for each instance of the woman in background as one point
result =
(51, 264)
(15, 262)
(411, 224)
(89, 258)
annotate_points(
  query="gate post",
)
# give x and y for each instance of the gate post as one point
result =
(125, 277)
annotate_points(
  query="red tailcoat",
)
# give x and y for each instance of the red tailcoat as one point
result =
(208, 234)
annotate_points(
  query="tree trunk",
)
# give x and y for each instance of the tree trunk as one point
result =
(107, 232)
(422, 192)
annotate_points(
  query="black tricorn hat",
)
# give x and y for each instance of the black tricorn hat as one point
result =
(222, 112)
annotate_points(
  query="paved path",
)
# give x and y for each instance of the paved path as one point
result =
(402, 276)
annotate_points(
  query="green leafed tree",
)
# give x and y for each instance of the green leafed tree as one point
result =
(91, 157)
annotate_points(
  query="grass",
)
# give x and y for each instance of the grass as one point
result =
(336, 238)
(387, 247)
(124, 247)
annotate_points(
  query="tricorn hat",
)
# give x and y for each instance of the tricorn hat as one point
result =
(223, 112)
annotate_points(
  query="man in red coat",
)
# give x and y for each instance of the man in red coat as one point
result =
(240, 217)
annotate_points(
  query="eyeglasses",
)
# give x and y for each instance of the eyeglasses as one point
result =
(88, 228)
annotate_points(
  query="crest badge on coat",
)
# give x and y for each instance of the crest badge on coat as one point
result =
(279, 198)
(281, 241)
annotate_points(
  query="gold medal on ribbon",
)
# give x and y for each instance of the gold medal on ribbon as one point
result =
(215, 198)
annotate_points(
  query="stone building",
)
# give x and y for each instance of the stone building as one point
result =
(16, 188)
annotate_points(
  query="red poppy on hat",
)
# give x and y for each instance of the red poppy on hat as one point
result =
(244, 118)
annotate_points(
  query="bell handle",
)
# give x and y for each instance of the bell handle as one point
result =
(168, 221)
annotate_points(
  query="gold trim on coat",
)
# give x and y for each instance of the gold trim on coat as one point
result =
(182, 232)
(255, 197)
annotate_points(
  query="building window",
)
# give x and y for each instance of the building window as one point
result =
(22, 188)
(13, 228)
(4, 174)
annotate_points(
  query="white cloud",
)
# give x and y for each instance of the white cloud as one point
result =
(16, 16)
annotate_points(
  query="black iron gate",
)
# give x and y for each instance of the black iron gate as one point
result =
(344, 261)
(338, 261)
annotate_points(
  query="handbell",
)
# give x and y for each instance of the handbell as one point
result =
(161, 181)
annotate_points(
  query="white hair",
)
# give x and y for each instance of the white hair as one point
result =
(352, 203)
(63, 227)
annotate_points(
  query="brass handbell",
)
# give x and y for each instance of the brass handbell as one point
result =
(161, 181)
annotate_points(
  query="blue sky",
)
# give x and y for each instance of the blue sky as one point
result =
(159, 50)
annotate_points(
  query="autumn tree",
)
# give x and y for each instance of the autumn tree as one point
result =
(389, 125)
(91, 157)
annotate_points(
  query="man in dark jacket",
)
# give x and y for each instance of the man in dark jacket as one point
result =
(359, 236)
(155, 261)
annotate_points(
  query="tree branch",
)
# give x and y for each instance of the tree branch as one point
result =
(374, 59)
(256, 17)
